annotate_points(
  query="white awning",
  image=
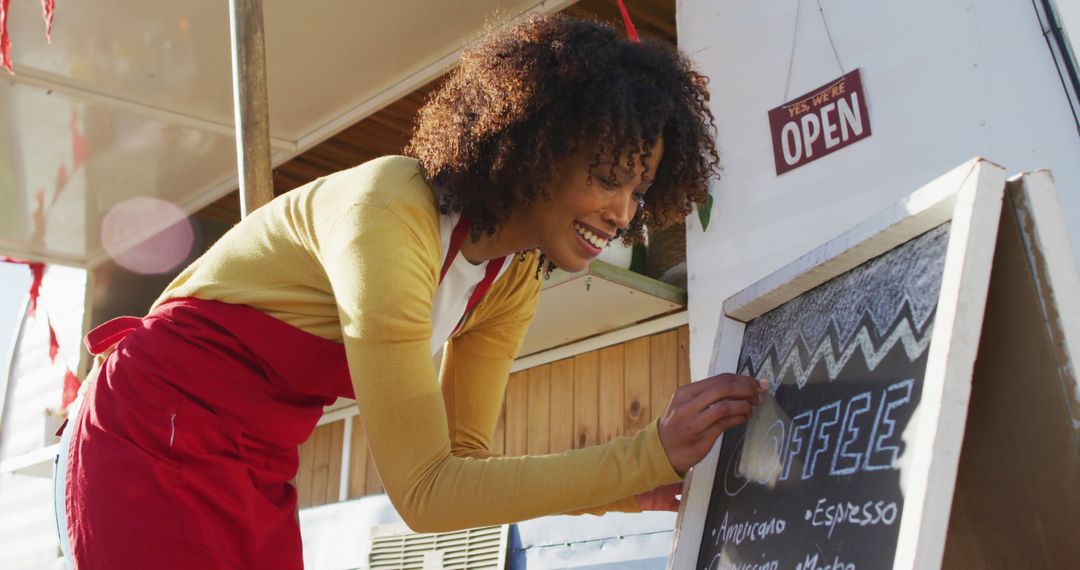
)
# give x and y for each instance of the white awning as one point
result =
(134, 99)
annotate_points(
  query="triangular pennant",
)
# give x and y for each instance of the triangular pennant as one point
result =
(71, 389)
(5, 41)
(61, 183)
(37, 272)
(47, 7)
(38, 217)
(54, 345)
(80, 150)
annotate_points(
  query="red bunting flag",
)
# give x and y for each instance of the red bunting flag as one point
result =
(79, 149)
(71, 389)
(38, 217)
(47, 7)
(61, 183)
(37, 274)
(54, 345)
(631, 31)
(5, 42)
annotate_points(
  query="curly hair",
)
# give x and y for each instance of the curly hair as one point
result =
(529, 95)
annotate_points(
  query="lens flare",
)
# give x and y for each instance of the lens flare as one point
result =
(147, 235)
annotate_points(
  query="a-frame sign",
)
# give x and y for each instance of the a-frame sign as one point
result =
(925, 404)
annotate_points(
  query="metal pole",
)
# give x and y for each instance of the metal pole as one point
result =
(250, 107)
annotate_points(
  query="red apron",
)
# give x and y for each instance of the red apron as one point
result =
(184, 446)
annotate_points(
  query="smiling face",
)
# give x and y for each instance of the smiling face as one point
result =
(586, 207)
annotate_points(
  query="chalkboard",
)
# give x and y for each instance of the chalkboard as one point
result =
(812, 480)
(955, 308)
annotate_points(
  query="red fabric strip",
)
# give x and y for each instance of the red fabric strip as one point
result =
(631, 31)
(493, 268)
(54, 345)
(61, 183)
(457, 237)
(79, 148)
(37, 274)
(105, 335)
(5, 42)
(47, 7)
(71, 390)
(38, 217)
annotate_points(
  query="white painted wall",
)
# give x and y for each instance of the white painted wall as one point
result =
(27, 527)
(945, 80)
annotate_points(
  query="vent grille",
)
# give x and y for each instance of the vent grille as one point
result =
(395, 546)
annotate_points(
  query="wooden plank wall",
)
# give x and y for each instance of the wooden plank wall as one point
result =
(588, 399)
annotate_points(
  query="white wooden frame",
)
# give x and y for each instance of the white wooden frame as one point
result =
(970, 196)
(1050, 259)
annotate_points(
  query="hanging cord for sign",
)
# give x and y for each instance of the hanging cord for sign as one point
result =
(794, 42)
(794, 38)
(835, 53)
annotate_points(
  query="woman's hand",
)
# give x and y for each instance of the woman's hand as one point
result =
(664, 498)
(699, 412)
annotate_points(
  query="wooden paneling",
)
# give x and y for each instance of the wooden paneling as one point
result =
(517, 413)
(586, 399)
(304, 472)
(684, 356)
(498, 440)
(333, 479)
(320, 475)
(562, 405)
(610, 414)
(589, 399)
(358, 461)
(373, 484)
(637, 410)
(539, 413)
(363, 477)
(664, 366)
(653, 18)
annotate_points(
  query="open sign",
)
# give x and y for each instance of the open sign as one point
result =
(820, 122)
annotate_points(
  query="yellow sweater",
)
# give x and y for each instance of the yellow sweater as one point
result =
(355, 258)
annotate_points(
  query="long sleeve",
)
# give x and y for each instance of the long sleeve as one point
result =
(476, 367)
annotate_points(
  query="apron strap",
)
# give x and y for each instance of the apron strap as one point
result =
(457, 237)
(494, 266)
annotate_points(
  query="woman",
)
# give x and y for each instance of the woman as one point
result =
(553, 137)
